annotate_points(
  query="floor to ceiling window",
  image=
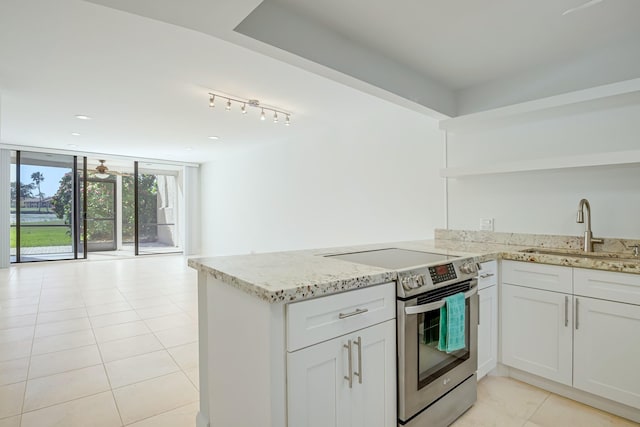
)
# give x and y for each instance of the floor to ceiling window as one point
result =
(101, 215)
(158, 192)
(57, 213)
(45, 221)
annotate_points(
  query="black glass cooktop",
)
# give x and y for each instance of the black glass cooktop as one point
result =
(393, 258)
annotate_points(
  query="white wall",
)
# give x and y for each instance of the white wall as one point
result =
(358, 179)
(190, 211)
(546, 202)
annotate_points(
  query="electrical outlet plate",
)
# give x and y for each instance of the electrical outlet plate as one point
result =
(486, 224)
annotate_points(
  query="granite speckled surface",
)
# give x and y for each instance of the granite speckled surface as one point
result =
(299, 275)
(609, 245)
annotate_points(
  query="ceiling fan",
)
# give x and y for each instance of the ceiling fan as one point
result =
(103, 172)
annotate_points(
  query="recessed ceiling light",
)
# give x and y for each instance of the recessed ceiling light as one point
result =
(82, 117)
(188, 148)
(214, 137)
(75, 134)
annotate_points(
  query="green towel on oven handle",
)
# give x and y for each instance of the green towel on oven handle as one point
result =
(452, 323)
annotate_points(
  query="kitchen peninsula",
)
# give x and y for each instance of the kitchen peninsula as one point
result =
(246, 328)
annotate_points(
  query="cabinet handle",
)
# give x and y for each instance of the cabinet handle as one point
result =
(350, 376)
(484, 276)
(566, 311)
(358, 342)
(479, 310)
(577, 311)
(353, 313)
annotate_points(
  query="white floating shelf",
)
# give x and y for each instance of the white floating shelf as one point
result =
(606, 96)
(616, 158)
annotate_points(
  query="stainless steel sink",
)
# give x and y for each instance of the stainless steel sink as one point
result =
(605, 256)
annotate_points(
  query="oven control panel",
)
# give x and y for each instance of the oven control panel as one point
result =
(442, 273)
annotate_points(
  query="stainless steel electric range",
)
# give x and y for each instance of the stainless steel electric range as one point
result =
(434, 387)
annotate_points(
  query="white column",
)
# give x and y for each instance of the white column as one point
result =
(190, 213)
(5, 203)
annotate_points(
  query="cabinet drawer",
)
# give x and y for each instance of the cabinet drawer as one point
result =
(613, 286)
(539, 276)
(310, 322)
(487, 274)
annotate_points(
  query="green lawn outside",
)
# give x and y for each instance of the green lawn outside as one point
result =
(41, 236)
(32, 211)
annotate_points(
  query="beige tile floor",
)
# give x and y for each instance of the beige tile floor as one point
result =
(114, 343)
(504, 402)
(99, 343)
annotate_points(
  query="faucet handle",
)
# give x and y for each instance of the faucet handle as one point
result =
(636, 249)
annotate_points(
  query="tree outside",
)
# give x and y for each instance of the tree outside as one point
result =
(37, 178)
(26, 191)
(99, 205)
(61, 201)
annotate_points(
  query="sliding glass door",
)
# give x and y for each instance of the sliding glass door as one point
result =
(101, 215)
(45, 207)
(158, 191)
(62, 208)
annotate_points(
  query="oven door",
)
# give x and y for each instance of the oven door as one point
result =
(424, 372)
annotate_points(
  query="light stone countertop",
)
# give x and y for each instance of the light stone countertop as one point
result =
(299, 275)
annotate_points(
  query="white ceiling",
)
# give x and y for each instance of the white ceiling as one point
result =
(143, 75)
(145, 85)
(464, 43)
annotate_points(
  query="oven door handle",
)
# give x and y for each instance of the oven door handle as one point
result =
(423, 308)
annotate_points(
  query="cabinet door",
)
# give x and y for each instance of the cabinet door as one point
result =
(374, 400)
(488, 330)
(317, 393)
(537, 332)
(606, 350)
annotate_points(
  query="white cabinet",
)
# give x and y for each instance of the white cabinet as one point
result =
(318, 381)
(536, 332)
(536, 319)
(341, 364)
(318, 394)
(588, 339)
(606, 336)
(607, 349)
(488, 317)
(374, 400)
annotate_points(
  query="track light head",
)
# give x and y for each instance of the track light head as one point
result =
(254, 103)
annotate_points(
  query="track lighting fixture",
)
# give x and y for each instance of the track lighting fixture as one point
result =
(251, 103)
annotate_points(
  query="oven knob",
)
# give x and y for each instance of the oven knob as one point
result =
(468, 268)
(409, 283)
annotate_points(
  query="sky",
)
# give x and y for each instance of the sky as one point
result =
(52, 176)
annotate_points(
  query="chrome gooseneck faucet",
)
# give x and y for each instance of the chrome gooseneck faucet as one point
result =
(583, 207)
